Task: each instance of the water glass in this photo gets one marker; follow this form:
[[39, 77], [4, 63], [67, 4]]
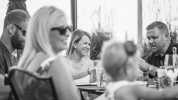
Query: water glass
[[101, 77]]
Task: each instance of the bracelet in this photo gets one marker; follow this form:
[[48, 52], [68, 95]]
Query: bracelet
[[88, 71], [150, 68]]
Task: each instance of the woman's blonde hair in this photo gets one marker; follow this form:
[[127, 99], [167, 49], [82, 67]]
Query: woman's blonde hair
[[38, 30], [75, 38]]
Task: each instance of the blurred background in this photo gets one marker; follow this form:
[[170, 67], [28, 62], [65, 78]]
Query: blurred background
[[104, 19]]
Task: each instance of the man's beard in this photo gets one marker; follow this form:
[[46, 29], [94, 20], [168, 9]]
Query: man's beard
[[16, 42]]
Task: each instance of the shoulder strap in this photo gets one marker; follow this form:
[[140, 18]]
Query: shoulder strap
[[48, 60], [46, 64], [87, 63], [69, 63]]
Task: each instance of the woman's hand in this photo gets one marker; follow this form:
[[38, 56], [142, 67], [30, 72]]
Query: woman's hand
[[91, 70]]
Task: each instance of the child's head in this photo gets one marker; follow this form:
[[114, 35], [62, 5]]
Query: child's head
[[120, 60]]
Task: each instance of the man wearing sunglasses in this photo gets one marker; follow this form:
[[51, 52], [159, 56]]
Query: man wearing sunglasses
[[12, 38], [161, 44]]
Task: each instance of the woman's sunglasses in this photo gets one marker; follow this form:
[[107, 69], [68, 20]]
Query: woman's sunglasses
[[62, 30], [22, 30]]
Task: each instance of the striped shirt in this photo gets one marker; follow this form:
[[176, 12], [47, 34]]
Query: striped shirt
[[6, 59]]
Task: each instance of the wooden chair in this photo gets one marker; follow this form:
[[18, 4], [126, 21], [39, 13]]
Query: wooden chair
[[29, 86]]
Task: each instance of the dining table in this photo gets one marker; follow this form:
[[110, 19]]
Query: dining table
[[94, 89], [90, 88]]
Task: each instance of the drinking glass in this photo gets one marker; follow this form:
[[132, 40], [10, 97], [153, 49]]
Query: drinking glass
[[101, 77]]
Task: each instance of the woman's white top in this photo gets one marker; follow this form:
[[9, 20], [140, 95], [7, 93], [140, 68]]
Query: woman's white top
[[112, 87], [84, 80]]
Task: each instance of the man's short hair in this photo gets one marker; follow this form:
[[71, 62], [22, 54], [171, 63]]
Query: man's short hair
[[157, 24], [16, 16]]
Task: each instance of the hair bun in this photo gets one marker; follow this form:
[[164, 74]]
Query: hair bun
[[130, 48]]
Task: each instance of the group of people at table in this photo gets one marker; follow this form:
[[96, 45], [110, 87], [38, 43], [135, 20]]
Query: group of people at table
[[46, 34]]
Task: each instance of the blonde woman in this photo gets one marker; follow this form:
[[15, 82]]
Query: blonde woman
[[82, 68], [47, 35]]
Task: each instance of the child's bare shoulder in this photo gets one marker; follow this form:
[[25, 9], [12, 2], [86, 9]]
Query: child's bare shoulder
[[125, 93]]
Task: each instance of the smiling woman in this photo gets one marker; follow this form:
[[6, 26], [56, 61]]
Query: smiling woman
[[81, 66], [78, 59]]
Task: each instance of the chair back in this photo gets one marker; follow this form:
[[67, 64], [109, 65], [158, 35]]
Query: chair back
[[29, 86]]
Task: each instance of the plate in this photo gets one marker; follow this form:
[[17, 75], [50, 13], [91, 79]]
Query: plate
[[145, 83], [89, 84]]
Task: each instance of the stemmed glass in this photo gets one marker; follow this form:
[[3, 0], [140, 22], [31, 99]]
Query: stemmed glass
[[170, 68], [101, 76]]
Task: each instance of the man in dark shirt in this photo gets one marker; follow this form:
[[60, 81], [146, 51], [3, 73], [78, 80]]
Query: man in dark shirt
[[13, 37], [160, 42]]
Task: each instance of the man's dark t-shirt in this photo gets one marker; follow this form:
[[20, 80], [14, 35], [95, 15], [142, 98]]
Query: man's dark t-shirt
[[7, 60], [157, 60]]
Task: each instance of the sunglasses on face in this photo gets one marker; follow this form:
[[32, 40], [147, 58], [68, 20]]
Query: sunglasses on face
[[62, 30], [22, 30]]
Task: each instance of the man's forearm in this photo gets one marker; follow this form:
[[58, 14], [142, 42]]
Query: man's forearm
[[146, 67], [153, 71], [4, 92], [4, 89]]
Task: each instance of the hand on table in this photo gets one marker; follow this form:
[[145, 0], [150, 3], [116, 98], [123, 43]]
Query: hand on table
[[144, 66], [92, 69]]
